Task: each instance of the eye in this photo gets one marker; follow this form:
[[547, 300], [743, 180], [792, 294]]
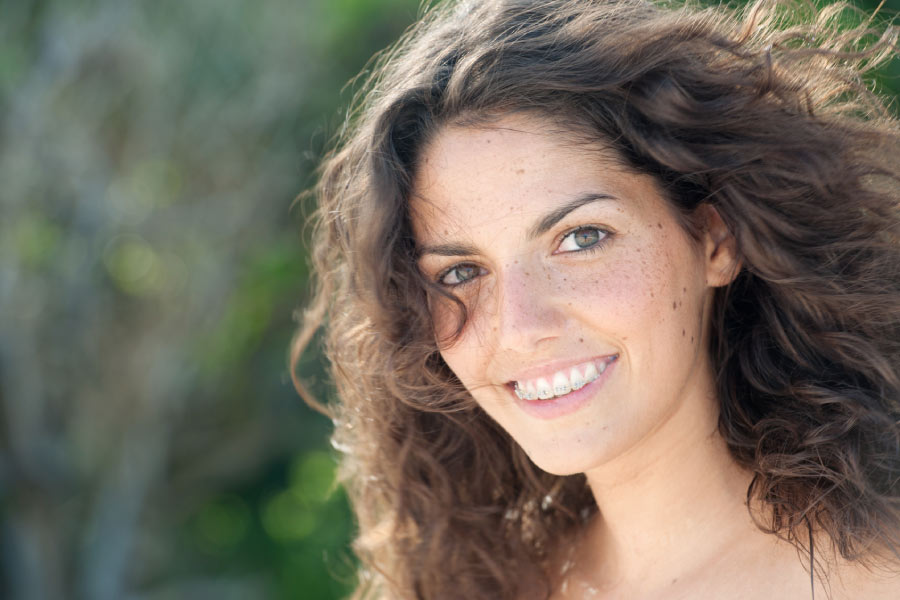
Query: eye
[[459, 274], [583, 238]]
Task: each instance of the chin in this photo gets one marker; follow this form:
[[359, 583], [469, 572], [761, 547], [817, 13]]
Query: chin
[[560, 469], [562, 463]]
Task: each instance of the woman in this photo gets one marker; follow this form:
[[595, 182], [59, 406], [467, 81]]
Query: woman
[[612, 298]]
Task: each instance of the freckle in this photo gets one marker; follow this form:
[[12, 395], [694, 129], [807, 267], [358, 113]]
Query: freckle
[[682, 333], [674, 580], [520, 171], [659, 225], [580, 340], [683, 289], [692, 339], [679, 303], [651, 295], [674, 306]]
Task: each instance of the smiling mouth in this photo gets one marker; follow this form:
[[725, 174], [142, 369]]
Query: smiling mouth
[[562, 382]]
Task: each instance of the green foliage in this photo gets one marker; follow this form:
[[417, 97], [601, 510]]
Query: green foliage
[[150, 264]]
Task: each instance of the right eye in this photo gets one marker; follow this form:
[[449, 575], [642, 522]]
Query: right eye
[[459, 274]]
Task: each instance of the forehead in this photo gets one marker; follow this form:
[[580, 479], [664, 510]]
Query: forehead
[[515, 167], [514, 149]]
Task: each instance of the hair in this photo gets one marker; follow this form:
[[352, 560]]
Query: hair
[[763, 113]]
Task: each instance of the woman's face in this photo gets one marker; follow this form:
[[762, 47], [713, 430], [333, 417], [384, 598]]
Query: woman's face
[[586, 300]]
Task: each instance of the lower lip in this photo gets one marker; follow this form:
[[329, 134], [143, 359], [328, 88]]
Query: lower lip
[[560, 406]]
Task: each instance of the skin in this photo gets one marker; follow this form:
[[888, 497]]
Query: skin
[[673, 519]]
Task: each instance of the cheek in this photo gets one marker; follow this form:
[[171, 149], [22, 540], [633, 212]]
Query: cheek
[[457, 338], [666, 291], [642, 293], [448, 319], [468, 366], [462, 323], [629, 285]]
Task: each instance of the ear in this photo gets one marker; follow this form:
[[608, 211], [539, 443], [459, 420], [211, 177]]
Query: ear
[[719, 249]]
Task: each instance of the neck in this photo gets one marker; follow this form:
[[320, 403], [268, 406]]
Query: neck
[[671, 506]]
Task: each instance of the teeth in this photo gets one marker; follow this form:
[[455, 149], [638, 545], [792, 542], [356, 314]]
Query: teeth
[[527, 392], [544, 391], [522, 392], [561, 383], [576, 379]]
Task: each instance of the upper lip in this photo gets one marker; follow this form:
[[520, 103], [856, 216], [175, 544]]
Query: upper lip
[[547, 369]]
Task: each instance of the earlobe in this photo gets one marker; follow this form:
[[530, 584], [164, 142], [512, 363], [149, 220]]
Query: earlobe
[[720, 250]]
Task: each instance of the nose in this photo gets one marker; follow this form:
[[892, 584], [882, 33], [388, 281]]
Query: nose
[[527, 312]]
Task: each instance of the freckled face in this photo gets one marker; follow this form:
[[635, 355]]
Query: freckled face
[[563, 259]]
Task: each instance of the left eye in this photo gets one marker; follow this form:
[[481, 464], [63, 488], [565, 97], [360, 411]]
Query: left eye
[[582, 238]]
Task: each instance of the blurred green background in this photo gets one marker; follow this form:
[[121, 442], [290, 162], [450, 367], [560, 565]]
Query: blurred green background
[[151, 444]]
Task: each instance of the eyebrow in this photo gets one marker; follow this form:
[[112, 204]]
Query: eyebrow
[[449, 250], [539, 228], [545, 224]]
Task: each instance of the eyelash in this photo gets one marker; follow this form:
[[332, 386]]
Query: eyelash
[[606, 235]]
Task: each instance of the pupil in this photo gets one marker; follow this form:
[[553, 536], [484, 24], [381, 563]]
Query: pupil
[[464, 273], [586, 237]]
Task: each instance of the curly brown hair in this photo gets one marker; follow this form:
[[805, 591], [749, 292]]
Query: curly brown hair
[[762, 112]]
